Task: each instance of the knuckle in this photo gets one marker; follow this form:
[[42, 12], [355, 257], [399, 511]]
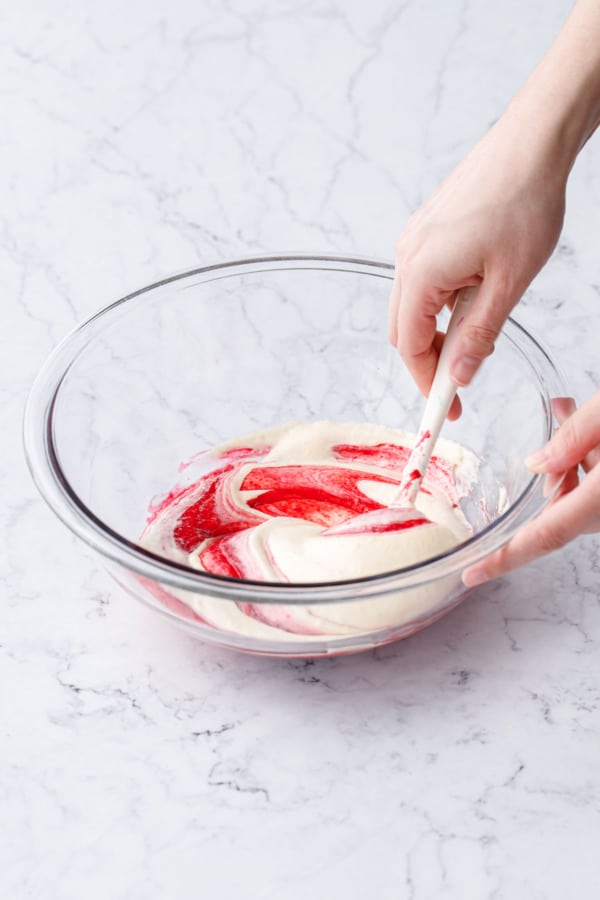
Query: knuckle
[[406, 252], [407, 266], [478, 340], [413, 250]]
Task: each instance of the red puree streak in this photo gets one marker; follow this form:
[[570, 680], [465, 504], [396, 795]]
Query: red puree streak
[[211, 516], [323, 495], [220, 557], [389, 456]]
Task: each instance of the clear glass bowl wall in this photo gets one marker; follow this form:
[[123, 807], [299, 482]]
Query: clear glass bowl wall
[[216, 353]]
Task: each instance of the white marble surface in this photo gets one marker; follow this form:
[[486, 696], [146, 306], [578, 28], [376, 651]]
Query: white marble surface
[[143, 138]]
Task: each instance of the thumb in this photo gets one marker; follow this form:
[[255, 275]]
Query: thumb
[[572, 442], [478, 332]]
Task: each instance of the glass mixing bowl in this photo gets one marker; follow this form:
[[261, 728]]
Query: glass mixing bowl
[[221, 351]]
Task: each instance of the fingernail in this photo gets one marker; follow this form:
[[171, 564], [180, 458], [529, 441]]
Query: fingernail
[[464, 369], [474, 577], [537, 461]]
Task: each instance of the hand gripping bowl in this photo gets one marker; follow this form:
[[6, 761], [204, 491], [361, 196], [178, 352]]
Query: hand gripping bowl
[[218, 352]]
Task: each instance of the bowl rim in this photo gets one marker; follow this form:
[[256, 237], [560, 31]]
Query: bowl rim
[[54, 486]]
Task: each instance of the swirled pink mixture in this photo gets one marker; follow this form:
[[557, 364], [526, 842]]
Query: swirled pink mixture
[[263, 509]]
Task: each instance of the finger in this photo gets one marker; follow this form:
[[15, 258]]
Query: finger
[[419, 306], [432, 360], [558, 483], [576, 513], [455, 410], [591, 460], [574, 440], [477, 336], [424, 377], [563, 407], [393, 307]]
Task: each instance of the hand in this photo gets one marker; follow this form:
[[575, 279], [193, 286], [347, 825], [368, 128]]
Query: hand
[[494, 222], [574, 510]]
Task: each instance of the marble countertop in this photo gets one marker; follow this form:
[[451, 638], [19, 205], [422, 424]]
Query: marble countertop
[[140, 139]]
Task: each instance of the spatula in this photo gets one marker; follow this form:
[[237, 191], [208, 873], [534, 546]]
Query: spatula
[[401, 512]]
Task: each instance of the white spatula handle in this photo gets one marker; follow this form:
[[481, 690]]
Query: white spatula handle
[[439, 401]]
